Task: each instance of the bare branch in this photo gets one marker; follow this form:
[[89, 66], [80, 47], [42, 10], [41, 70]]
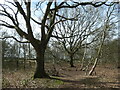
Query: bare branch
[[57, 37], [20, 9], [15, 39], [4, 23], [74, 18], [76, 4], [39, 23], [44, 20], [8, 26]]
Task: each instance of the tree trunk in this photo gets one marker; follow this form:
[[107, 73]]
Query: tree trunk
[[40, 71], [24, 56], [30, 65], [93, 67], [17, 64], [71, 61], [82, 64], [98, 53], [3, 51]]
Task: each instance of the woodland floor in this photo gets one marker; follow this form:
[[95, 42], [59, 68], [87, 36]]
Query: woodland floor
[[105, 76]]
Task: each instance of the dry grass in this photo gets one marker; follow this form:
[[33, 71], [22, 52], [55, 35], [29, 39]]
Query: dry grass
[[105, 77]]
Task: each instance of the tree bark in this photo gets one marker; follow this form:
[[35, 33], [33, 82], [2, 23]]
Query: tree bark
[[17, 64], [3, 51], [71, 61], [40, 70], [29, 50]]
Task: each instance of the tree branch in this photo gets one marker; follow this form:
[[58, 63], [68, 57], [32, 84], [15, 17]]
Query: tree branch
[[20, 9], [15, 39], [76, 4], [67, 18], [57, 37], [6, 24], [39, 23], [43, 36], [26, 16]]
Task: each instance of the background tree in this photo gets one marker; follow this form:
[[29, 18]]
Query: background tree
[[75, 34], [109, 23], [109, 52]]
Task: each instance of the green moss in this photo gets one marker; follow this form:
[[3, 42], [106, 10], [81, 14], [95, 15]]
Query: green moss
[[58, 82], [54, 83]]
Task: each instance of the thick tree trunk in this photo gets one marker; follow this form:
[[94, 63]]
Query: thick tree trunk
[[40, 71], [71, 61]]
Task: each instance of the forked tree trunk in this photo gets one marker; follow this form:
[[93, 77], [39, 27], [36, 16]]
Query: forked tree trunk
[[40, 70], [40, 46]]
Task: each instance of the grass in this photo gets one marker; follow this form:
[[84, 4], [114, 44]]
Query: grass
[[21, 79], [30, 83]]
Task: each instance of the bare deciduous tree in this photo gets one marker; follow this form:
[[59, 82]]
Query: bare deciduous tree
[[73, 34]]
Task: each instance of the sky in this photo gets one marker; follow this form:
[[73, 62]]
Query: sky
[[36, 27], [2, 1]]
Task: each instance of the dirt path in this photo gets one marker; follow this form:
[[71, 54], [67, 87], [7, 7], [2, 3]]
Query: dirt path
[[104, 78], [79, 81]]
